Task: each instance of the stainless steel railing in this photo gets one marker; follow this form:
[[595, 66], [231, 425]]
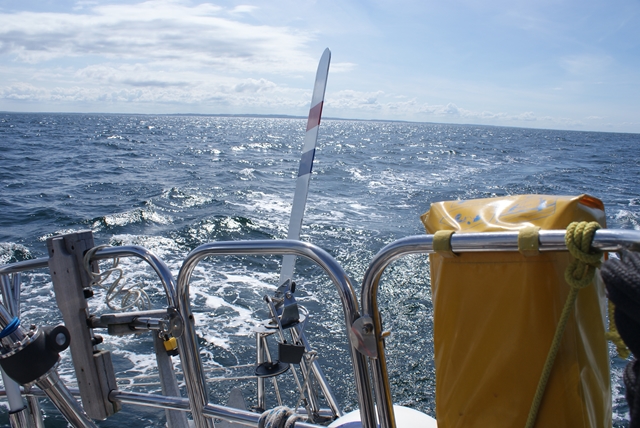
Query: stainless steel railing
[[177, 295], [161, 269], [550, 240], [192, 365], [164, 274], [159, 266]]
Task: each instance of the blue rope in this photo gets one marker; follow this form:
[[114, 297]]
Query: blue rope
[[10, 328]]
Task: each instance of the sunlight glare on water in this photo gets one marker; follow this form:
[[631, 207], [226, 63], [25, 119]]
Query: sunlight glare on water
[[171, 183]]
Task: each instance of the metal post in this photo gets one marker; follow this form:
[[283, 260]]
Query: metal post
[[64, 401], [175, 419], [93, 368], [18, 412], [262, 404]]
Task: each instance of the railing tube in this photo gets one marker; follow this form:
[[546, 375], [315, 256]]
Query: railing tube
[[25, 265], [550, 240], [194, 375]]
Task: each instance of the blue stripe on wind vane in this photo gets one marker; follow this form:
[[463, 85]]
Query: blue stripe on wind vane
[[306, 162]]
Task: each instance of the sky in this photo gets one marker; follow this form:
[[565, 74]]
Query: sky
[[552, 64]]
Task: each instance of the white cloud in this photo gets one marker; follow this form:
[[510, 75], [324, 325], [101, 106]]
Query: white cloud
[[154, 53], [130, 85], [378, 105], [244, 8], [259, 57], [253, 85], [356, 100], [156, 31], [131, 75], [451, 109], [22, 91], [528, 116]]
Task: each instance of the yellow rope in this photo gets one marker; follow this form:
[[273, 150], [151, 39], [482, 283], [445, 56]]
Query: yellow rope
[[614, 336], [578, 275]]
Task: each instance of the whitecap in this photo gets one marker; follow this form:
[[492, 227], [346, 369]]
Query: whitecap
[[11, 252], [131, 217], [626, 217], [247, 174], [187, 198]]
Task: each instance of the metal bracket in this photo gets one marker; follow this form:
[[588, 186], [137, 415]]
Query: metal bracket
[[93, 367], [363, 338], [167, 322]]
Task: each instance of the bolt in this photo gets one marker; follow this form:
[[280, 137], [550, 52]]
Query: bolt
[[367, 328], [61, 339]]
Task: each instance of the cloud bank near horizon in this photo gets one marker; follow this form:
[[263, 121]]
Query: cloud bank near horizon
[[172, 56]]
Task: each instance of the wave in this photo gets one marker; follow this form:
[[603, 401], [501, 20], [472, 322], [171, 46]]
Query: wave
[[187, 198], [11, 252], [220, 228], [627, 219], [136, 216]]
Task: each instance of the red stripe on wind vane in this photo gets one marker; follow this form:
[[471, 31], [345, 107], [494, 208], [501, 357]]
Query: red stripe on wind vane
[[314, 116]]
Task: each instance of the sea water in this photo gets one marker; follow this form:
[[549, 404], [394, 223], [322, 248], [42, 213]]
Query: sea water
[[171, 183]]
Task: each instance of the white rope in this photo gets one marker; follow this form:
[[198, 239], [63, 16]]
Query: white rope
[[291, 421], [132, 297], [275, 418]]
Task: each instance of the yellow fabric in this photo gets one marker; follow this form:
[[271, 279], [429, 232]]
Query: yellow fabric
[[442, 243], [495, 315]]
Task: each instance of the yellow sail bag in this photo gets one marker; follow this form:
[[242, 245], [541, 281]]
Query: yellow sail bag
[[495, 316]]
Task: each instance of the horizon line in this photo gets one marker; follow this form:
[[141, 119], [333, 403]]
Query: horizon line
[[288, 116]]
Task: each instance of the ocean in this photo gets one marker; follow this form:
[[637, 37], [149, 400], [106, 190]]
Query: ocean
[[171, 183]]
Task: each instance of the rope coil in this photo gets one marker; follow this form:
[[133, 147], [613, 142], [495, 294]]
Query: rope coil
[[581, 271], [293, 419], [579, 274], [275, 418], [578, 238], [132, 297]]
